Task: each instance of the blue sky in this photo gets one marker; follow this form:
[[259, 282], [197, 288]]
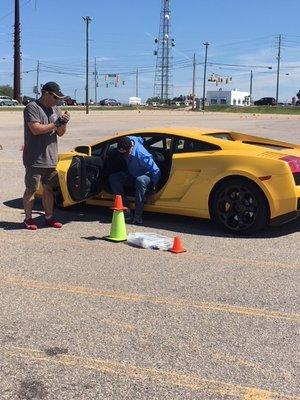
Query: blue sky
[[122, 37]]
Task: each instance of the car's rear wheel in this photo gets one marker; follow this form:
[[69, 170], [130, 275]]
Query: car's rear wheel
[[240, 206]]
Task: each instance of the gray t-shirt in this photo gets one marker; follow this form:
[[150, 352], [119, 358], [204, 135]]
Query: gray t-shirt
[[40, 150]]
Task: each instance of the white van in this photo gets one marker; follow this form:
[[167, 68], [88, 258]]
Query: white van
[[135, 101]]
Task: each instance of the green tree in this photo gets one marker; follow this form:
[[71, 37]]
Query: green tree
[[6, 90], [180, 98], [153, 99], [298, 95]]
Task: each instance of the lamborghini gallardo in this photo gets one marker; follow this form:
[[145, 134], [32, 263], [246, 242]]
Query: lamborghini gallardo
[[243, 182]]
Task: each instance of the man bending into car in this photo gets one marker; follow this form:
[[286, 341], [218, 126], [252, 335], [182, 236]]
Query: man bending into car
[[43, 122], [142, 172]]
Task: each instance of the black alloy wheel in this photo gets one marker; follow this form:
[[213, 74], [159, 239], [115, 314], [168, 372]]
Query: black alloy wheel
[[240, 206]]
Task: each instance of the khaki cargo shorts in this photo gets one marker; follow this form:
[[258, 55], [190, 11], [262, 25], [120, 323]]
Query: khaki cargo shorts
[[35, 175]]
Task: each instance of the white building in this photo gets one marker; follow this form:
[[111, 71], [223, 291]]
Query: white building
[[229, 97]]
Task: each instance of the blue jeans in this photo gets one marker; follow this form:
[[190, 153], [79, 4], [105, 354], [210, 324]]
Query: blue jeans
[[117, 183]]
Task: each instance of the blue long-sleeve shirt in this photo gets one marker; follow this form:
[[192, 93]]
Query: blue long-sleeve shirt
[[140, 161]]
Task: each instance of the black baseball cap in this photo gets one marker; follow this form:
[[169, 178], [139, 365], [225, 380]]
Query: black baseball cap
[[54, 88], [125, 144]]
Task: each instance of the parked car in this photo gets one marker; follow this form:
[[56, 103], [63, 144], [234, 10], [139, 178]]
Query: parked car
[[69, 101], [26, 100], [109, 102], [265, 101], [8, 101], [242, 182], [61, 102]]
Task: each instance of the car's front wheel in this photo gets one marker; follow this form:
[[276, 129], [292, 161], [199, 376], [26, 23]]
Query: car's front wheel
[[240, 206]]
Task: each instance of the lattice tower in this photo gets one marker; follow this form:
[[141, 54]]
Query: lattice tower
[[163, 85]]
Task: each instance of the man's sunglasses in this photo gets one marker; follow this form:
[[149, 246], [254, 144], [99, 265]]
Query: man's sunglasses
[[53, 95]]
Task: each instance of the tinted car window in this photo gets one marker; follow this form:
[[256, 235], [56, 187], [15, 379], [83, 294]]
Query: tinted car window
[[157, 142], [184, 145]]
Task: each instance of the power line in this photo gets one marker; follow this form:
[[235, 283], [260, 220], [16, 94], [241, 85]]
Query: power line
[[12, 11]]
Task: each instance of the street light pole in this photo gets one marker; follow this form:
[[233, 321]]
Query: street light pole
[[251, 83], [137, 83], [17, 53], [37, 80], [206, 44], [87, 20], [96, 81], [278, 67], [194, 80], [251, 78]]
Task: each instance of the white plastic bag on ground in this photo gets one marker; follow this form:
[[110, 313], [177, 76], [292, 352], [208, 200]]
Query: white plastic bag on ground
[[150, 240]]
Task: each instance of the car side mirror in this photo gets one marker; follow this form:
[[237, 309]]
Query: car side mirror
[[84, 150]]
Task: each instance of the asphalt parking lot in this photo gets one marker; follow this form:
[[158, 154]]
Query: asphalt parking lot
[[84, 318]]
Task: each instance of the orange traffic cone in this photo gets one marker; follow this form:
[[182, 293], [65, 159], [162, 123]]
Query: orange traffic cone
[[118, 206], [177, 246]]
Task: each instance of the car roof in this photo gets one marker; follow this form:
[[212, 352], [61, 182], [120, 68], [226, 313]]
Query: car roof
[[205, 134], [192, 132]]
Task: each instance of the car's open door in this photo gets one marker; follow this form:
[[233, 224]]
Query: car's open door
[[80, 177]]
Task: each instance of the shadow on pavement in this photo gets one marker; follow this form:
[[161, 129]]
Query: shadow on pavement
[[173, 223]]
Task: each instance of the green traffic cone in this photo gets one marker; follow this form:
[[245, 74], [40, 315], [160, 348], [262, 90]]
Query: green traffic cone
[[118, 228]]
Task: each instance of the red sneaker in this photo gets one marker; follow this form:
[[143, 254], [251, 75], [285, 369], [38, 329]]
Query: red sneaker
[[29, 224], [52, 223]]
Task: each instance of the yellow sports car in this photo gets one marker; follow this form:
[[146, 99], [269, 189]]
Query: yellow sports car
[[241, 181]]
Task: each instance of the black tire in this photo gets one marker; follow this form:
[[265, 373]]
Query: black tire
[[240, 206]]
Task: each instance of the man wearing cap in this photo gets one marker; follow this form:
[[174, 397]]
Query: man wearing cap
[[141, 171], [43, 122]]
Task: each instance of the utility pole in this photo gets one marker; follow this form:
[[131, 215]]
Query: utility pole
[[37, 80], [137, 83], [278, 68], [194, 80], [87, 20], [251, 79], [96, 80], [206, 44], [17, 54], [75, 94]]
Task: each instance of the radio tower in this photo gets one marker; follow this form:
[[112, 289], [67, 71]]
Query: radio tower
[[163, 86]]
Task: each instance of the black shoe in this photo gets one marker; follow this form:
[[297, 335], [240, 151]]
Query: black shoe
[[127, 215], [138, 221]]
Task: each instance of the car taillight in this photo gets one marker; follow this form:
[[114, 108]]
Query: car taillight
[[294, 163]]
